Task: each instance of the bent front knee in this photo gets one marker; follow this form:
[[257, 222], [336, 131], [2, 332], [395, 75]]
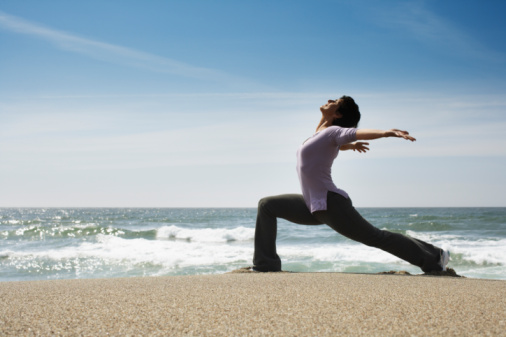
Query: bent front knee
[[263, 203], [267, 205]]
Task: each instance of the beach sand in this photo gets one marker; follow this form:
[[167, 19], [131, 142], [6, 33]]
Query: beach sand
[[256, 304]]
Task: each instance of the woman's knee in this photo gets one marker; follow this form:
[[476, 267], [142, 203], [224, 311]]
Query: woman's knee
[[277, 200], [281, 205], [264, 202]]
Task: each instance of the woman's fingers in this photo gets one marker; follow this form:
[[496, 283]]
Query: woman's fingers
[[402, 134], [361, 147]]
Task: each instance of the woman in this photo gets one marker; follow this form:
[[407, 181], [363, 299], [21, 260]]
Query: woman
[[322, 202]]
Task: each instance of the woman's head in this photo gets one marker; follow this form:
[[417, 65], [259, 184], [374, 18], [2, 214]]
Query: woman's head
[[350, 115]]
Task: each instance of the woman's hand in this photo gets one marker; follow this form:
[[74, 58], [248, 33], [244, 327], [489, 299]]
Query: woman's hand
[[357, 146], [360, 147], [399, 134]]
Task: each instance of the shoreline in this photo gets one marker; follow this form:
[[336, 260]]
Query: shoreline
[[274, 304]]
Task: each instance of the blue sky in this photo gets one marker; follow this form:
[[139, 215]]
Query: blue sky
[[204, 103]]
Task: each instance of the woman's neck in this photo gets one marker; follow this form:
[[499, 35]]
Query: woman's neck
[[324, 123]]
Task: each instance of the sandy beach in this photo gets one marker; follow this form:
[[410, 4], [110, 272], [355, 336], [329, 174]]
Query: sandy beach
[[255, 304]]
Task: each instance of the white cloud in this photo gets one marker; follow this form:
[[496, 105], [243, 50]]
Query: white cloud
[[255, 128], [106, 51], [116, 154]]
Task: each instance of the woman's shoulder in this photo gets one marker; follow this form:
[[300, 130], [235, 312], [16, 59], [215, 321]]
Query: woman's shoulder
[[341, 135], [335, 129], [330, 129]]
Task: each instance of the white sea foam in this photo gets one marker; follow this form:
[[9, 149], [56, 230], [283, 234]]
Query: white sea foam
[[127, 247], [481, 251], [169, 255], [212, 246], [432, 236], [206, 234], [337, 253], [110, 252]]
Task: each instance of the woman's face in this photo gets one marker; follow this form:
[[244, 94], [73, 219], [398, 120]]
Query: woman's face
[[330, 109]]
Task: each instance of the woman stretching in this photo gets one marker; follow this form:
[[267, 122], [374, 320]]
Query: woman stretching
[[322, 202]]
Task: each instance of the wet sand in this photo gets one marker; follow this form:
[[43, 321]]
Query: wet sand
[[256, 304]]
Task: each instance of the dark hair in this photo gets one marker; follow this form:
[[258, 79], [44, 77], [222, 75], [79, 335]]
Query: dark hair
[[351, 115]]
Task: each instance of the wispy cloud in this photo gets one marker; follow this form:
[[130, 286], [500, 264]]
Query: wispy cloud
[[120, 136], [414, 17], [106, 51]]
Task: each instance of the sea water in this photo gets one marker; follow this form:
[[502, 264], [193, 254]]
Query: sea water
[[53, 243]]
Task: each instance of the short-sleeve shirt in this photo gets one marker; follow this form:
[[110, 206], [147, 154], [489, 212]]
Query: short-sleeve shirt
[[314, 162]]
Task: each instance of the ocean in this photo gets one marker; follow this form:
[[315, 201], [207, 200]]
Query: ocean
[[69, 243]]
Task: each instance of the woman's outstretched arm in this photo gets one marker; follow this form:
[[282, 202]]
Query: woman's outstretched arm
[[370, 134]]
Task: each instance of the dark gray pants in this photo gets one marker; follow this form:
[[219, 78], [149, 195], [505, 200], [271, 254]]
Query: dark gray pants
[[342, 217]]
